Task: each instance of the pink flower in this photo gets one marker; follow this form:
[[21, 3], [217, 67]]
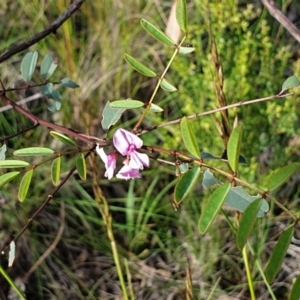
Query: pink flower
[[109, 161], [127, 143], [128, 173]]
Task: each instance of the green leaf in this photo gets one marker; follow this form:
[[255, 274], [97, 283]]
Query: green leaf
[[139, 66], [28, 65], [55, 170], [189, 138], [241, 159], [64, 139], [110, 116], [278, 254], [186, 50], [233, 149], [167, 86], [2, 152], [295, 292], [67, 82], [181, 169], [127, 104], [156, 33], [212, 207], [5, 178], [47, 90], [206, 155], [156, 108], [185, 184], [81, 166], [47, 67], [32, 151], [24, 185], [239, 200], [13, 164], [57, 101], [291, 82], [247, 223], [181, 15], [282, 175], [208, 179]]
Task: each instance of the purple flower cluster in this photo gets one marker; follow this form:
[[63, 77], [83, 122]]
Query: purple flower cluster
[[126, 144]]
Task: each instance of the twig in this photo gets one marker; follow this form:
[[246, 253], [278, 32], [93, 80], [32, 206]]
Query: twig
[[9, 137], [209, 112], [52, 28], [282, 19]]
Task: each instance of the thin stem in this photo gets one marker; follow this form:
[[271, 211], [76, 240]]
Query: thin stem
[[250, 282], [209, 112], [52, 28], [8, 137], [262, 274], [138, 124], [130, 287], [282, 19], [103, 207], [119, 268]]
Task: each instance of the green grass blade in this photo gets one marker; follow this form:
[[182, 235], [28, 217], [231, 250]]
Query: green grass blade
[[295, 292]]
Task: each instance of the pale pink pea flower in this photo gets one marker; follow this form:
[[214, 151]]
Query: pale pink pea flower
[[128, 173], [127, 143], [110, 161]]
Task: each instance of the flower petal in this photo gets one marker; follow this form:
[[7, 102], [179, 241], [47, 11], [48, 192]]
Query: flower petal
[[110, 166], [101, 153], [128, 173], [123, 139], [138, 160], [110, 161]]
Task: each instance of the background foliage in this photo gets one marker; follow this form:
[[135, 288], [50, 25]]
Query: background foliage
[[160, 246]]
